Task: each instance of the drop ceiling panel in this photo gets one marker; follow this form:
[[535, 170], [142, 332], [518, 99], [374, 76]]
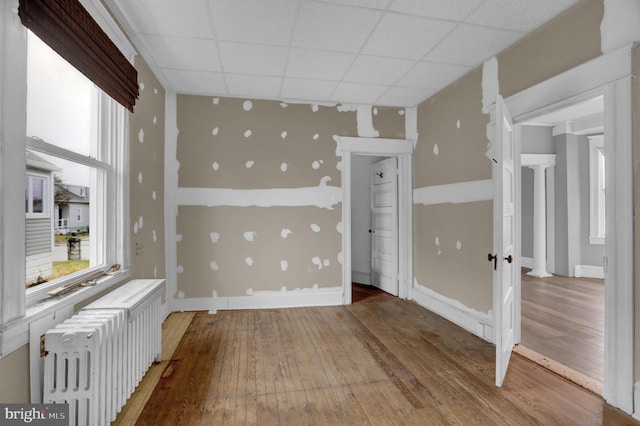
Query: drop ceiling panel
[[253, 86], [183, 53], [357, 93], [253, 58], [404, 96], [518, 15], [302, 89], [255, 21], [189, 18], [428, 75], [331, 27], [377, 70], [406, 36], [471, 45], [323, 65], [455, 10], [388, 52], [194, 82]]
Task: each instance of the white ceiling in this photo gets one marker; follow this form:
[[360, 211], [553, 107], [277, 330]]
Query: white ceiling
[[382, 52]]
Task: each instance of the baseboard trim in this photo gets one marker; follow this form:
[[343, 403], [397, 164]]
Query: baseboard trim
[[588, 271], [330, 296], [476, 322], [636, 401]]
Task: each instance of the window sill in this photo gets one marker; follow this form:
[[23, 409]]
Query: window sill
[[15, 334]]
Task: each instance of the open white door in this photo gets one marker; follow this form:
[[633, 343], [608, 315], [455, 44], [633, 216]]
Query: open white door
[[384, 224], [505, 163]]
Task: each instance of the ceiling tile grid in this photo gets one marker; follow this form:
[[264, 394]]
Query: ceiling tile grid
[[383, 52]]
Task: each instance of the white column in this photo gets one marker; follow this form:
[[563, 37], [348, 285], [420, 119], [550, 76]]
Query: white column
[[539, 222]]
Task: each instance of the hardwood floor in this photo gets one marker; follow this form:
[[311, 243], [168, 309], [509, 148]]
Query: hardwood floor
[[381, 360], [563, 319]]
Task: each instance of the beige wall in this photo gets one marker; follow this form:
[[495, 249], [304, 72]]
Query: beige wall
[[248, 252], [146, 140], [453, 120]]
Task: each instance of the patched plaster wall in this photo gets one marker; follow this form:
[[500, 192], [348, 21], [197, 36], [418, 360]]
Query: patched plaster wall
[[146, 167]]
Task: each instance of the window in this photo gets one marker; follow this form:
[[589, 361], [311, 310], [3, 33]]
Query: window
[[74, 126], [597, 189], [36, 201]]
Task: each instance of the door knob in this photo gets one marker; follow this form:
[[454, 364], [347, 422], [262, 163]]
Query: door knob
[[494, 258], [509, 259]]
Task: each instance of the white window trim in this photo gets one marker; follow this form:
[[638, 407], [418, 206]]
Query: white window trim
[[16, 312], [596, 195], [46, 197]]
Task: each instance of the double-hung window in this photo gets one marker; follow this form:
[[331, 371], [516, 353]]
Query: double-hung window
[[597, 188]]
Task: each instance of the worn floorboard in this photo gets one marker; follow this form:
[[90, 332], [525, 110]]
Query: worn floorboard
[[381, 360]]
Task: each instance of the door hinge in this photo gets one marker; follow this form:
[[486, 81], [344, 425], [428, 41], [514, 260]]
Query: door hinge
[[43, 349]]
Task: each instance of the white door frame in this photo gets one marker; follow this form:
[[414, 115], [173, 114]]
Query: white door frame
[[608, 75], [403, 150]]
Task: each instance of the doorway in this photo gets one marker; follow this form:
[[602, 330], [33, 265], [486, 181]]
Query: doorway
[[562, 241], [608, 75]]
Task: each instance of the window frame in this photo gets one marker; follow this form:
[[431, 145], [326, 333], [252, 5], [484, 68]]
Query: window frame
[[17, 311], [46, 198]]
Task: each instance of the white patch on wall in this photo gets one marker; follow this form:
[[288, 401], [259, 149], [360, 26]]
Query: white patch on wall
[[248, 260], [283, 167], [316, 164], [458, 245], [153, 195], [365, 122], [317, 261], [490, 83], [315, 137], [284, 104], [215, 237], [401, 112], [155, 91], [339, 165], [154, 236], [155, 119], [436, 150], [326, 262], [141, 85], [214, 265], [439, 252], [249, 164], [437, 241], [181, 295], [314, 108], [284, 265], [250, 236], [140, 222], [135, 228], [155, 272], [215, 166], [247, 105], [141, 135], [339, 227], [178, 237], [375, 111], [215, 131], [340, 258], [247, 133], [180, 269], [458, 124], [216, 101], [315, 227], [283, 135], [140, 177], [285, 232], [249, 292]]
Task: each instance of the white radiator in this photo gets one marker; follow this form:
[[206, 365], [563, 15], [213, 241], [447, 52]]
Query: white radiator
[[96, 358]]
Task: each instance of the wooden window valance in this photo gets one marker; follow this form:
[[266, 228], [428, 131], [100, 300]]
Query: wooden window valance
[[67, 27]]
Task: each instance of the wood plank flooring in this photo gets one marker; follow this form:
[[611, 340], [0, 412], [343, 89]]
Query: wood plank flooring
[[563, 319], [381, 360]]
